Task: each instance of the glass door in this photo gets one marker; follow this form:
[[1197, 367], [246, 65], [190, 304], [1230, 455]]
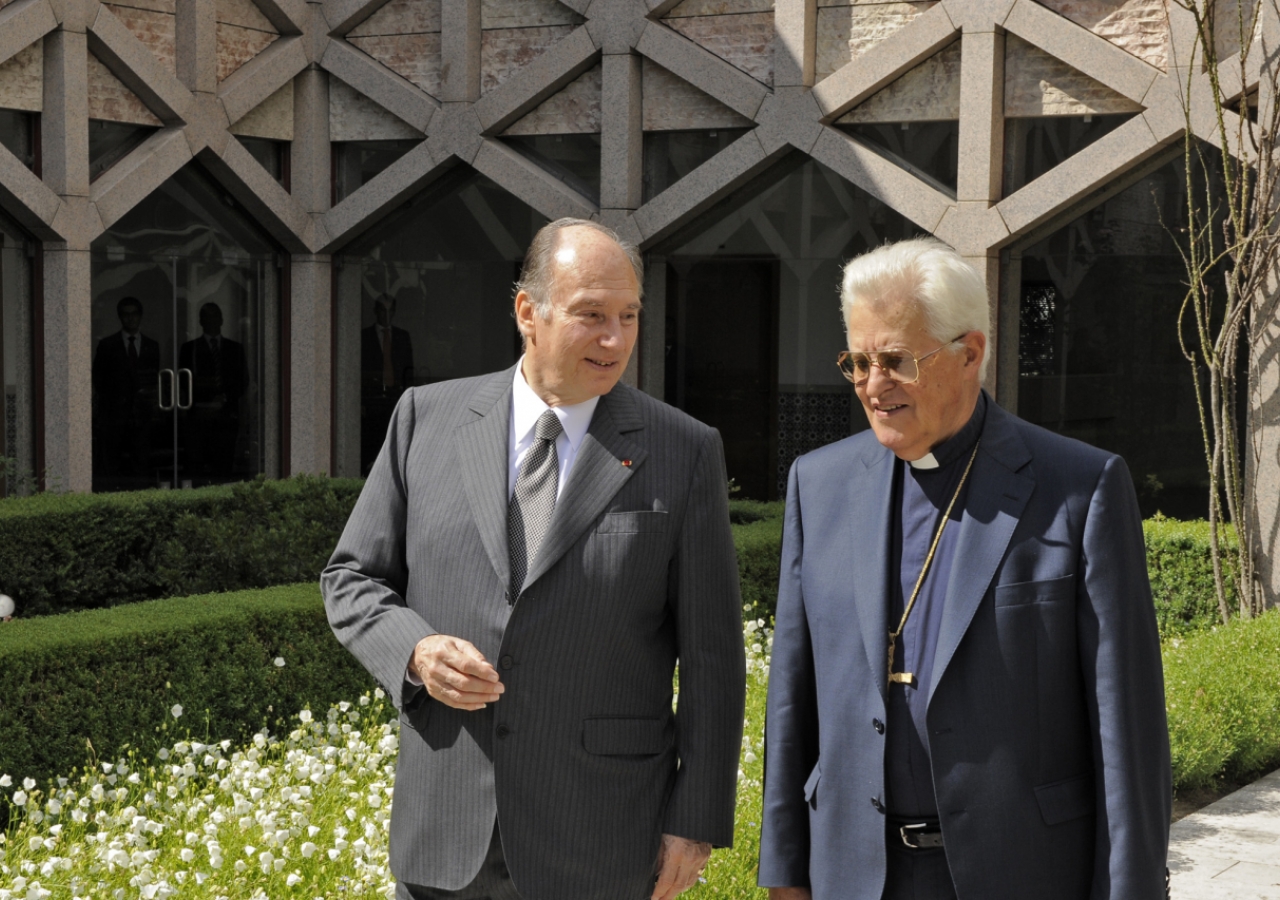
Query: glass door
[[185, 384]]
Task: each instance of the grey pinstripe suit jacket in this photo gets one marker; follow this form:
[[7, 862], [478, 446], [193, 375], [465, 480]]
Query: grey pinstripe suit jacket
[[582, 760]]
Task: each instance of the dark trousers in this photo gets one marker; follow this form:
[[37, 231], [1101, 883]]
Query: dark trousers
[[916, 874], [492, 882]]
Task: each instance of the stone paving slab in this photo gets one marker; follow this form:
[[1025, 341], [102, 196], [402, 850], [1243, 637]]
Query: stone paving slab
[[1230, 850]]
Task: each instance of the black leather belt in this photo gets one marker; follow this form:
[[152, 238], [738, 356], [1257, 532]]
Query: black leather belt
[[918, 834]]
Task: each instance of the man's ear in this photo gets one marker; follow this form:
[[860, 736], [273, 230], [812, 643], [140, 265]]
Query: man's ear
[[524, 311], [975, 348]]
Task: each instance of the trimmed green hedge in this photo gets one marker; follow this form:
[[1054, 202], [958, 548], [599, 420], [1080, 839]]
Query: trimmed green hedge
[[1222, 691], [64, 552], [1181, 569], [104, 679]]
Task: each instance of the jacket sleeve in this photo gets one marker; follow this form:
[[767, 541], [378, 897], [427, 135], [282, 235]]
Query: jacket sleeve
[[1124, 691], [791, 726], [704, 597], [364, 583]]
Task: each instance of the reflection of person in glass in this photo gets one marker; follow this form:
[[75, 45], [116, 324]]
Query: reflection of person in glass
[[386, 365], [124, 377], [218, 382]]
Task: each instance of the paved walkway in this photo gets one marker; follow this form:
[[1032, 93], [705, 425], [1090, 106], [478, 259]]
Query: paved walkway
[[1230, 850]]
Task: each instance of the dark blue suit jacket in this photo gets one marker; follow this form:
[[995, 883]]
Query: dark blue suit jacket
[[1046, 719]]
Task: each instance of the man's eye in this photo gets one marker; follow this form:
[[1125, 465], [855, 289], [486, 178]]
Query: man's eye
[[890, 361]]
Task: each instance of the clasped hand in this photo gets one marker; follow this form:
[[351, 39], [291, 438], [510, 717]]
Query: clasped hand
[[454, 672]]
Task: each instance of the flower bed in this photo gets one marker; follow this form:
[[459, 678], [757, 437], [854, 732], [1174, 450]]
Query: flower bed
[[301, 816]]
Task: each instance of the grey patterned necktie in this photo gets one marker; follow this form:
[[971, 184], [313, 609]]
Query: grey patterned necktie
[[534, 499]]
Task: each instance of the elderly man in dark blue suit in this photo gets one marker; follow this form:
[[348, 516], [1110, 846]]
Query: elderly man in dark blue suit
[[966, 697]]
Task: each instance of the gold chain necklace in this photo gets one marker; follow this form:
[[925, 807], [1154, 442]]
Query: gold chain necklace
[[907, 677]]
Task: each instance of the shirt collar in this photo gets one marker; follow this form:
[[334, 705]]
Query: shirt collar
[[527, 406], [959, 443]]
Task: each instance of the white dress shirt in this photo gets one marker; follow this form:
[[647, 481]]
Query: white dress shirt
[[526, 407]]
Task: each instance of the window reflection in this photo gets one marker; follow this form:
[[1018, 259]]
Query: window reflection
[[17, 134], [425, 297], [1033, 146], [18, 473], [110, 142], [1098, 342], [671, 155], [356, 163], [186, 307]]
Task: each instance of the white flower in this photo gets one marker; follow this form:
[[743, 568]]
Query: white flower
[[20, 798], [187, 854], [177, 710], [308, 850], [5, 781], [29, 784], [54, 806], [293, 879], [305, 715]]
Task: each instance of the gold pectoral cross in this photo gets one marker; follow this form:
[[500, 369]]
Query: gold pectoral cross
[[898, 677]]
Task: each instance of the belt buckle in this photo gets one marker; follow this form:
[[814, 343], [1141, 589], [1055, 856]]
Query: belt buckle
[[906, 831]]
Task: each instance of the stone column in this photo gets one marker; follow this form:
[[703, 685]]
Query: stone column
[[68, 385], [1262, 453], [311, 294], [653, 328], [978, 185]]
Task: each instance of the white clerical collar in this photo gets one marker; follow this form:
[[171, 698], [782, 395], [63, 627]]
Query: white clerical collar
[[928, 461], [526, 406]]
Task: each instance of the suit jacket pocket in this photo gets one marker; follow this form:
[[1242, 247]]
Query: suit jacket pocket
[[626, 737], [1025, 592], [637, 522], [1070, 798], [811, 785]]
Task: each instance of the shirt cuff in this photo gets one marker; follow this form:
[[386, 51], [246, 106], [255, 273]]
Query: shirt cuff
[[412, 677]]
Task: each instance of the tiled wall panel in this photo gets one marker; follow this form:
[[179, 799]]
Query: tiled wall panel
[[573, 110], [505, 51], [415, 57], [22, 80], [109, 99], [152, 22], [848, 29], [927, 93], [672, 104], [354, 117], [1139, 26], [272, 118], [1037, 84], [742, 39]]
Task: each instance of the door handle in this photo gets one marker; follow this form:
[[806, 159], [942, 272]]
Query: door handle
[[160, 377], [190, 389]]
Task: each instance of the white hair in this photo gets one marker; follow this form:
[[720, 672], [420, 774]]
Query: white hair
[[927, 274]]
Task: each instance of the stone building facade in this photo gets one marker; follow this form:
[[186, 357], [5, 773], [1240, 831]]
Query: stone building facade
[[314, 205]]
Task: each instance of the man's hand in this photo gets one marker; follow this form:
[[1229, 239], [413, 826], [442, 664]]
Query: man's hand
[[454, 672], [680, 862], [790, 893]]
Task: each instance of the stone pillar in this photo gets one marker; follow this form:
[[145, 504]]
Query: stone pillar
[[68, 384], [460, 51], [978, 185], [196, 45], [621, 137], [795, 52], [311, 294]]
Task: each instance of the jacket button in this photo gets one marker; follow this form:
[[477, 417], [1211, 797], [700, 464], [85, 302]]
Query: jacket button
[[878, 726], [875, 801], [502, 731], [506, 662]]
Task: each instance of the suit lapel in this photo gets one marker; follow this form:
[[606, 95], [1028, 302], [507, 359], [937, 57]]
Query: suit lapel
[[597, 475], [481, 442], [870, 499], [994, 501]]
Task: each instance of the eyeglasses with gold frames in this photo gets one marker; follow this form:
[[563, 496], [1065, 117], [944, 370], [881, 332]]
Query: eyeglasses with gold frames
[[902, 366]]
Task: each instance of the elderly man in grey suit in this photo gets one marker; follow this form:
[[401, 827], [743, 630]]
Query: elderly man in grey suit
[[965, 696], [532, 553]]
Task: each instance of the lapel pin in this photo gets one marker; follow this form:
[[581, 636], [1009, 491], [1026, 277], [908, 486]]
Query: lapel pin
[[626, 463]]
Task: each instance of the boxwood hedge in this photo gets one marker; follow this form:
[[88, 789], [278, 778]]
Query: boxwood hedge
[[92, 682]]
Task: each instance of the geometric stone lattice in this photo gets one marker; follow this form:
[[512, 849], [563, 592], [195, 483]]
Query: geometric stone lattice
[[807, 421], [738, 31], [243, 33]]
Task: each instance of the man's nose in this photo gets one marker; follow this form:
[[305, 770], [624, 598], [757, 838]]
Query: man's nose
[[611, 333], [878, 380]]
